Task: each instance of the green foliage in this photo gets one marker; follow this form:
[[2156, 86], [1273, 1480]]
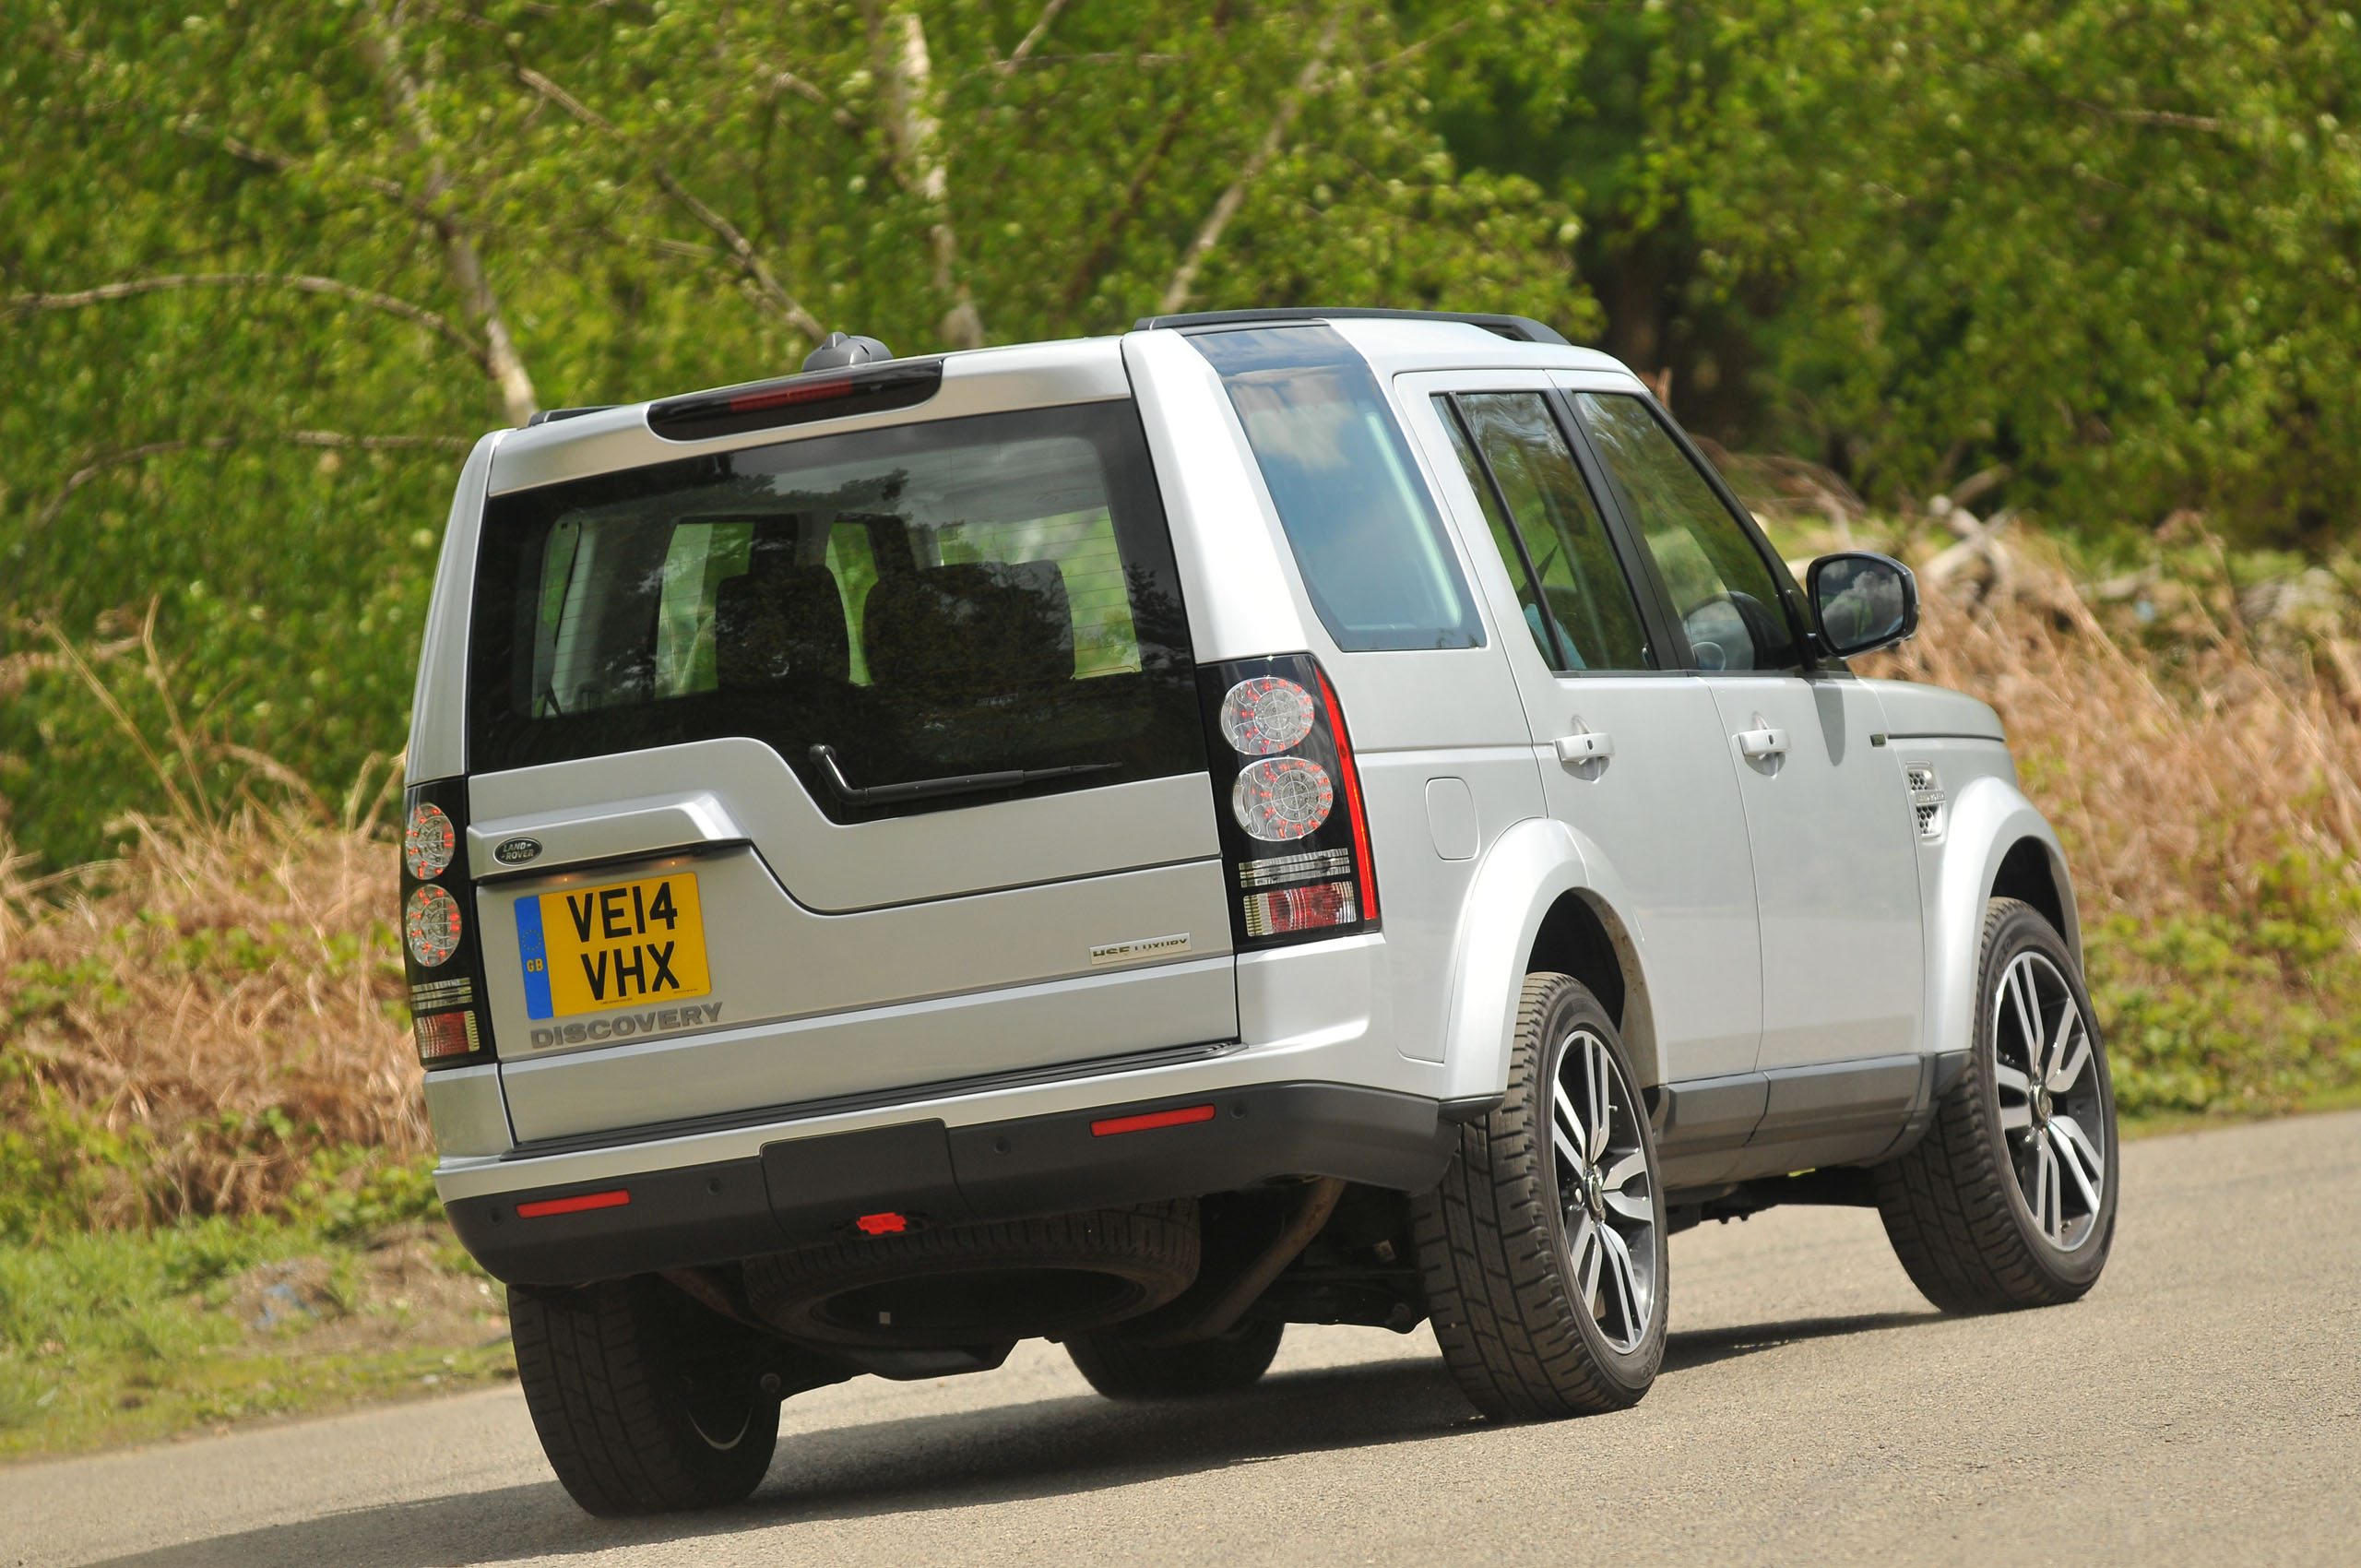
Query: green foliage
[[56, 1165], [2252, 1010], [352, 1193], [391, 228], [117, 1336], [2107, 243]]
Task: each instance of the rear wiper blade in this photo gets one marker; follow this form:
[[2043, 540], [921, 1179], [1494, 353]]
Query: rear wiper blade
[[957, 784]]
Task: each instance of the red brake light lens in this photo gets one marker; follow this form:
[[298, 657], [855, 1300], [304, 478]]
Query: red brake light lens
[[797, 399], [1352, 797]]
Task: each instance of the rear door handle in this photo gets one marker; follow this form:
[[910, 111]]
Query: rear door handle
[[1591, 745], [1759, 745]]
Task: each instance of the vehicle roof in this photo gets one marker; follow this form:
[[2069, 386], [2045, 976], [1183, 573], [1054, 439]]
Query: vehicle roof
[[1071, 370]]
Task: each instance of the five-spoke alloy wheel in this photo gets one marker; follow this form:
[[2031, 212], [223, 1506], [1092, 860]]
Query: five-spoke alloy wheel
[[2009, 1200], [1542, 1250]]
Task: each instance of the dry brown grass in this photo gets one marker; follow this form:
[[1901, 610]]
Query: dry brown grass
[[185, 1030], [2203, 764], [2176, 785], [221, 1004]]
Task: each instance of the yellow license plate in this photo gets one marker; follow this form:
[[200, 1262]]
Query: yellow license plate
[[624, 945]]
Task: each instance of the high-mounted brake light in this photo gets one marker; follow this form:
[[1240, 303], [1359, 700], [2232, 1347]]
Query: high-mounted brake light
[[788, 396], [1295, 833], [798, 400]]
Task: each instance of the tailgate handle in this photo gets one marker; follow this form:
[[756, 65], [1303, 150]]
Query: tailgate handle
[[956, 784], [622, 830]]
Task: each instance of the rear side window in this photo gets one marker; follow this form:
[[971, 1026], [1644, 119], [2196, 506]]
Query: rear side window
[[1364, 530], [895, 611]]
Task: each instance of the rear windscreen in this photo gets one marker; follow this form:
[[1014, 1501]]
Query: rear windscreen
[[903, 615]]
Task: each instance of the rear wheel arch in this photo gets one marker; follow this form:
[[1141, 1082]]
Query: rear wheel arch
[[1583, 936], [1544, 899]]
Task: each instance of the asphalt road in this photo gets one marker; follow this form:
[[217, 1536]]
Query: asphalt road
[[2202, 1405]]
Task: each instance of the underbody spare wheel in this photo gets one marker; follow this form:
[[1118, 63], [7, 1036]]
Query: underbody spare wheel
[[959, 1285]]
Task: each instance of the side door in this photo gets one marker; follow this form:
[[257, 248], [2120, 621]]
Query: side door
[[1642, 778], [1834, 844]]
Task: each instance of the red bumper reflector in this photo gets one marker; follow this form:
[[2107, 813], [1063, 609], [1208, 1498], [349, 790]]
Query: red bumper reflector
[[1182, 1117], [616, 1199], [882, 1224]]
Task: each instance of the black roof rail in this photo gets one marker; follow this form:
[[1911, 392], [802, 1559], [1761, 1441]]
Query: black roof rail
[[1515, 329]]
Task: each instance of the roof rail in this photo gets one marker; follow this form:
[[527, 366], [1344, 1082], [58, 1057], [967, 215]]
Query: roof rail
[[1515, 329]]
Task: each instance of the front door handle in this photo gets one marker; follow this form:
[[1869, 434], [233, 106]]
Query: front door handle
[[1591, 745], [1759, 745]]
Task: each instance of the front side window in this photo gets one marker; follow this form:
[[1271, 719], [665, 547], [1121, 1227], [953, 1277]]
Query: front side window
[[1357, 513], [927, 602], [1722, 589], [1591, 608]]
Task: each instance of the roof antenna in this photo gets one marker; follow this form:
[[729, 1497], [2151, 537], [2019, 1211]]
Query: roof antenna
[[842, 349]]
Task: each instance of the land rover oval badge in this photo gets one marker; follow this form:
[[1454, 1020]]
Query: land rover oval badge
[[517, 852]]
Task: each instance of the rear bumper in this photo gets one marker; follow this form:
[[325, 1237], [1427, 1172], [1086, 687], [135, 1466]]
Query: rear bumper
[[813, 1189]]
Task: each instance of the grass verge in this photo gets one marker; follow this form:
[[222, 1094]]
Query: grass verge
[[112, 1337]]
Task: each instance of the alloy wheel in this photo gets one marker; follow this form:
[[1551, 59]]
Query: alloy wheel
[[2052, 1114], [1604, 1190]]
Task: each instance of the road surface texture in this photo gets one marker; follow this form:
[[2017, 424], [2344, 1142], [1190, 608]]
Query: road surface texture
[[2202, 1405]]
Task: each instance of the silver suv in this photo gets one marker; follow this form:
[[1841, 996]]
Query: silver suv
[[1327, 816]]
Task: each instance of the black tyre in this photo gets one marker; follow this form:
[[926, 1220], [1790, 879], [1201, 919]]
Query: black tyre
[[2009, 1200], [640, 1403], [1542, 1250], [1123, 1369]]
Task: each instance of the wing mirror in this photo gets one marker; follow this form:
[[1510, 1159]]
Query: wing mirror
[[1862, 601]]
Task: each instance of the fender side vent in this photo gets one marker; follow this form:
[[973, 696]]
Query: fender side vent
[[1927, 800]]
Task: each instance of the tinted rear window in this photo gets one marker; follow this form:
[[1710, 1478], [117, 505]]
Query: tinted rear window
[[1364, 530], [929, 601]]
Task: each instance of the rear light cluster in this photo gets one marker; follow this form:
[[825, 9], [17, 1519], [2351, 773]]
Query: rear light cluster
[[441, 955], [798, 400], [1295, 834]]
